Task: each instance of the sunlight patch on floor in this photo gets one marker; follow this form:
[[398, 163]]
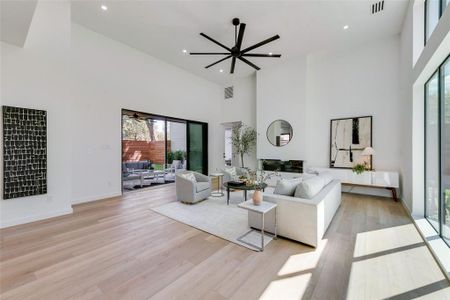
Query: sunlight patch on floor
[[303, 261], [393, 274], [385, 239], [287, 288]]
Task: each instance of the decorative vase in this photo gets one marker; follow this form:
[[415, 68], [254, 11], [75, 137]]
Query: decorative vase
[[257, 197]]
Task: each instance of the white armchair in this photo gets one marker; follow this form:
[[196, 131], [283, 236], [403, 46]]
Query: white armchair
[[190, 191]]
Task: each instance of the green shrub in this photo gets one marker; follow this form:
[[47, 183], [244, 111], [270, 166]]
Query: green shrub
[[179, 155], [170, 157]]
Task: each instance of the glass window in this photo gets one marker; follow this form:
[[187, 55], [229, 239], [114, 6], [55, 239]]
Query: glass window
[[445, 71], [432, 165], [432, 14]]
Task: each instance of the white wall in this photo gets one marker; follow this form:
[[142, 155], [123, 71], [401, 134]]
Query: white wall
[[362, 81], [241, 108], [36, 77], [108, 76], [83, 80], [177, 136], [281, 94], [408, 44], [310, 91]]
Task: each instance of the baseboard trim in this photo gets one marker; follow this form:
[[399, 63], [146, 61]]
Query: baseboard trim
[[35, 218], [94, 198]]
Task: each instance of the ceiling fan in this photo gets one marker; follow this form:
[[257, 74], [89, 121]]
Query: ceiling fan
[[236, 52]]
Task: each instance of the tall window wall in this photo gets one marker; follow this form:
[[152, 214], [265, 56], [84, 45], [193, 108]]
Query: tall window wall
[[437, 150], [433, 11]]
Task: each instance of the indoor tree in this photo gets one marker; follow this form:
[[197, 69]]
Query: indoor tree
[[243, 139]]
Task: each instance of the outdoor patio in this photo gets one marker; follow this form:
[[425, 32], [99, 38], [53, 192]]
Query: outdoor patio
[[151, 153]]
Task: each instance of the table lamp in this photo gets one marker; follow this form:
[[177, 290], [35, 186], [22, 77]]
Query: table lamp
[[368, 151]]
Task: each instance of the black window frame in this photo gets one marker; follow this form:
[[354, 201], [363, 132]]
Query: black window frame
[[441, 117], [442, 6]]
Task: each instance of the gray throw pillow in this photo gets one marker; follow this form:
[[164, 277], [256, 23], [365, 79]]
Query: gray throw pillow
[[286, 187], [310, 187]]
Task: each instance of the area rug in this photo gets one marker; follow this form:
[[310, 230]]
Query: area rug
[[214, 216]]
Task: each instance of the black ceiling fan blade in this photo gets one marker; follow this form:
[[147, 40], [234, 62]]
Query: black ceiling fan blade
[[220, 60], [261, 55], [208, 53], [249, 63], [275, 37], [215, 42], [240, 36], [233, 64]]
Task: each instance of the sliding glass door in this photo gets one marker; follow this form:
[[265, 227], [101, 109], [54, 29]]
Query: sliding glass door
[[197, 147], [437, 150], [432, 166]]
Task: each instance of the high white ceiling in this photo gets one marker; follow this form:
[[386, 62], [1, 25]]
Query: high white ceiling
[[164, 28], [15, 20]]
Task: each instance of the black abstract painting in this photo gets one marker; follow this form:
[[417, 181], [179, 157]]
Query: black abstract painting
[[348, 138], [24, 152]]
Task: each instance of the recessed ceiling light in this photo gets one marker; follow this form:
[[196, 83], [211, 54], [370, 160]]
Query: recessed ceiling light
[[270, 53], [221, 70], [104, 7], [184, 51], [345, 27]]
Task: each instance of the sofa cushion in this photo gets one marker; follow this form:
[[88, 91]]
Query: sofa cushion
[[189, 176], [310, 187], [286, 186], [201, 186], [327, 177]]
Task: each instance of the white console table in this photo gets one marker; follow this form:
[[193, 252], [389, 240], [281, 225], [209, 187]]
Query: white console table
[[373, 179]]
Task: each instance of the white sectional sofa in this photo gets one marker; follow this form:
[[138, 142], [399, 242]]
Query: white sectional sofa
[[303, 220]]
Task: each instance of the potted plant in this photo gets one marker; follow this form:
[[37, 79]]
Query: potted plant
[[259, 182], [243, 139], [359, 168]]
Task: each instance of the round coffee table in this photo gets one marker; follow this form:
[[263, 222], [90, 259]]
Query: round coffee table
[[242, 187]]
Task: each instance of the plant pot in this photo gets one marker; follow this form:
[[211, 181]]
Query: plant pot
[[257, 197]]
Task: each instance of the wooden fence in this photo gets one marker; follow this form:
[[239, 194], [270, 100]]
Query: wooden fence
[[142, 150]]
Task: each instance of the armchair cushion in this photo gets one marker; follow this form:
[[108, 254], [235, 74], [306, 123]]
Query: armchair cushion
[[232, 172], [201, 186], [189, 176]]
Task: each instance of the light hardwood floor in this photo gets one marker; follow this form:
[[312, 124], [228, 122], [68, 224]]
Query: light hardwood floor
[[119, 249]]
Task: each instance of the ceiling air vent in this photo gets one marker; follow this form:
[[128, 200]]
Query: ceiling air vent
[[377, 7], [229, 92]]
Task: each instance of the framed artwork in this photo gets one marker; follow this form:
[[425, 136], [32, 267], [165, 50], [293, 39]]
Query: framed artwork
[[24, 152], [348, 138]]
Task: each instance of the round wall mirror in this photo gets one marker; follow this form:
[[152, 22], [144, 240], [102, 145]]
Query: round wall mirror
[[279, 133]]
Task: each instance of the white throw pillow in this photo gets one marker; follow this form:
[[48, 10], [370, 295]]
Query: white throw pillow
[[327, 177], [189, 176], [232, 171], [310, 187], [286, 186]]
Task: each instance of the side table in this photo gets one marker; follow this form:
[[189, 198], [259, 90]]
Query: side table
[[262, 209], [219, 191]]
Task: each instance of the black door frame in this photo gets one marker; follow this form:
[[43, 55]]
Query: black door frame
[[167, 119]]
